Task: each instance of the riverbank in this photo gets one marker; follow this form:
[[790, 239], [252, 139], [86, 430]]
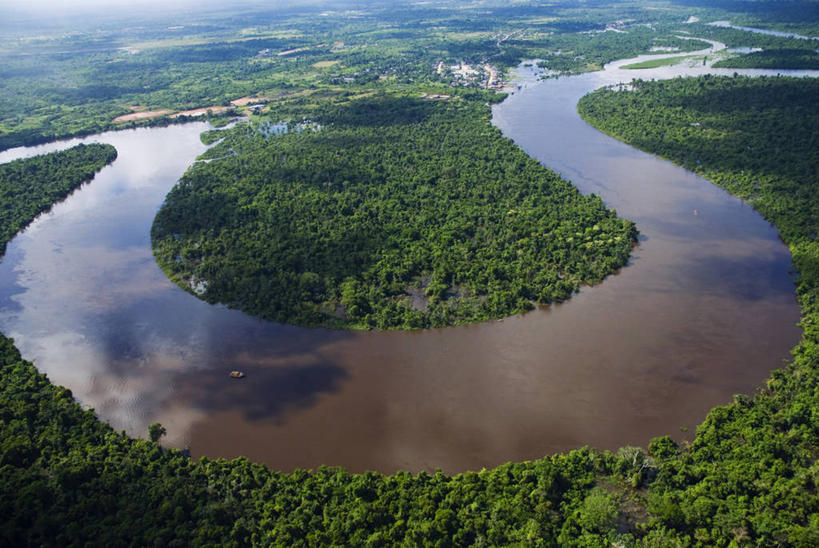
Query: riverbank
[[744, 157]]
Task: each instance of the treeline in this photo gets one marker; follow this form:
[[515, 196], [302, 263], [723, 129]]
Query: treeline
[[807, 59], [737, 38], [30, 186], [394, 212], [574, 53], [768, 13], [750, 477]]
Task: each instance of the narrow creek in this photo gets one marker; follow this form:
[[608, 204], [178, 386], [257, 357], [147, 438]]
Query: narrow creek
[[704, 310]]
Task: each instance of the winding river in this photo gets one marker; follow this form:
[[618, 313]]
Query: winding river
[[728, 25], [705, 309]]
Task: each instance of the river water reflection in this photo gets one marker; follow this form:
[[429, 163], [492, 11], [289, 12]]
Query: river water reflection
[[704, 310]]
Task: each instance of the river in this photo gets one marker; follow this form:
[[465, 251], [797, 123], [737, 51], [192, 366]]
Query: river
[[728, 25], [705, 309]]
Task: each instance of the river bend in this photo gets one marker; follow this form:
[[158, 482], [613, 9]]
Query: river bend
[[705, 309]]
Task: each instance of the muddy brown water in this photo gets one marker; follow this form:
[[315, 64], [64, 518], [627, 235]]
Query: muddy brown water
[[705, 309]]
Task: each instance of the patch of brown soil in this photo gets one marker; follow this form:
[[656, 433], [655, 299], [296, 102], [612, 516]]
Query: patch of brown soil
[[200, 111], [247, 100], [141, 115]]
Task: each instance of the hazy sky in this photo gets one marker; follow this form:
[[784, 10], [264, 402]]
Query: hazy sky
[[78, 5], [51, 8], [49, 12], [65, 5]]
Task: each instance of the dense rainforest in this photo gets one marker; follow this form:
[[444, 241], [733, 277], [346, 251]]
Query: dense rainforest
[[29, 187], [80, 79], [774, 59], [389, 212]]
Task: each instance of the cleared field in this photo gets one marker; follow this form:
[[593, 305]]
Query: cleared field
[[141, 115], [326, 64]]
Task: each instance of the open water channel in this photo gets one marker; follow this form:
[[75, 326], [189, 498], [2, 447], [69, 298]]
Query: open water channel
[[705, 309]]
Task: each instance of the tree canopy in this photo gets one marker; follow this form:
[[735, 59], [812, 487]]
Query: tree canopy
[[387, 211]]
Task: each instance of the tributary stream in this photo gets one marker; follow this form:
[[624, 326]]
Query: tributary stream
[[705, 309]]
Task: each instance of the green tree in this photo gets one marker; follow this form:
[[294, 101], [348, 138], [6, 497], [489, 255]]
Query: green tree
[[156, 431]]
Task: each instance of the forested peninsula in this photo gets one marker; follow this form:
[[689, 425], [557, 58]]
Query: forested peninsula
[[387, 211], [774, 59]]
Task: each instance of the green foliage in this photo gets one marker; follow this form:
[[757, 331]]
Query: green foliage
[[774, 59], [573, 53], [156, 431], [799, 16], [29, 187], [598, 513], [211, 136], [738, 38], [755, 137], [393, 202]]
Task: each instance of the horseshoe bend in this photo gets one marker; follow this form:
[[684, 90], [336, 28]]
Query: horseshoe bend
[[457, 306]]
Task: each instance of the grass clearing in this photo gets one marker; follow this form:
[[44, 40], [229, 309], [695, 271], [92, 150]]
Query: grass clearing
[[326, 64]]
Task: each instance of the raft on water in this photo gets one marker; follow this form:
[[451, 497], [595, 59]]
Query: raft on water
[[237, 375]]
